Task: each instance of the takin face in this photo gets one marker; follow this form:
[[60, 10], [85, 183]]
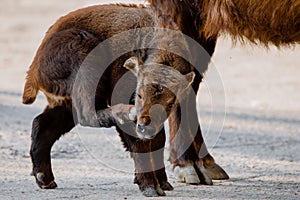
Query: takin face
[[159, 91]]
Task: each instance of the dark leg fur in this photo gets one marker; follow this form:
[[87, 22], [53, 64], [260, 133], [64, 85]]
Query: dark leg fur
[[46, 129], [148, 156], [157, 147], [163, 179]]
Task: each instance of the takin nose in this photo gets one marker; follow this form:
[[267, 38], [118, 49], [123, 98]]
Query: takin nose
[[144, 121], [144, 130], [141, 127]]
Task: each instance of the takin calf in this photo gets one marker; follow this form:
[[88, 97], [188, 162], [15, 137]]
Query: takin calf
[[71, 71]]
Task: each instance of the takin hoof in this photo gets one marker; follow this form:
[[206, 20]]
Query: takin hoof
[[42, 182], [164, 186], [132, 114], [124, 113], [190, 175], [153, 192], [216, 172], [167, 186]]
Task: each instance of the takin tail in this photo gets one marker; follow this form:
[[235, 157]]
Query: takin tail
[[30, 89]]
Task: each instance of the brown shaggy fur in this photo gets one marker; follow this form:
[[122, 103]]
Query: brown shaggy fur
[[260, 21]]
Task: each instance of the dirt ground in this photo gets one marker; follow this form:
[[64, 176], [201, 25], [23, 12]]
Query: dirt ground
[[258, 146]]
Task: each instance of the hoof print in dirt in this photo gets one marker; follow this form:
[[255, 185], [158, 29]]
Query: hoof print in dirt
[[153, 192], [40, 180]]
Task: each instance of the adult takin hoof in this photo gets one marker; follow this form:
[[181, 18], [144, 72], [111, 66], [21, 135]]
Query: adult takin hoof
[[193, 175], [216, 172], [153, 192], [43, 183]]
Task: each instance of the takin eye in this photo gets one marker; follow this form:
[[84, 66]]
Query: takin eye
[[170, 105], [139, 96]]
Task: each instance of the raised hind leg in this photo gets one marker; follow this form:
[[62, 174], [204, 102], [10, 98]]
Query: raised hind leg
[[46, 129]]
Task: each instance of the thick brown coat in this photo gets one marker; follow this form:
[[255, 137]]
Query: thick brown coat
[[260, 21]]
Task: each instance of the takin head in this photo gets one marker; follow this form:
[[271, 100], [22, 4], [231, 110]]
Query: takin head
[[159, 91]]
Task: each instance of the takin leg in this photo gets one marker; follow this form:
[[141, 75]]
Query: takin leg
[[118, 114], [189, 155], [150, 172], [157, 148], [46, 129], [184, 147]]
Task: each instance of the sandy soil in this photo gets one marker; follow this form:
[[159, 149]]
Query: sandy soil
[[259, 145]]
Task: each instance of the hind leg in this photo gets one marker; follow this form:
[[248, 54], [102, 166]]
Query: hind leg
[[186, 143], [46, 129], [189, 155]]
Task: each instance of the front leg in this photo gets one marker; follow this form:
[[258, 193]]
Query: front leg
[[145, 175], [158, 147], [150, 172], [114, 115], [107, 117]]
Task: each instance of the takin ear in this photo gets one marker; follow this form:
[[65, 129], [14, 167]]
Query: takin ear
[[133, 64], [189, 78]]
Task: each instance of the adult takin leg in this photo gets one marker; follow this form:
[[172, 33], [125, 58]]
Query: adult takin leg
[[188, 152]]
